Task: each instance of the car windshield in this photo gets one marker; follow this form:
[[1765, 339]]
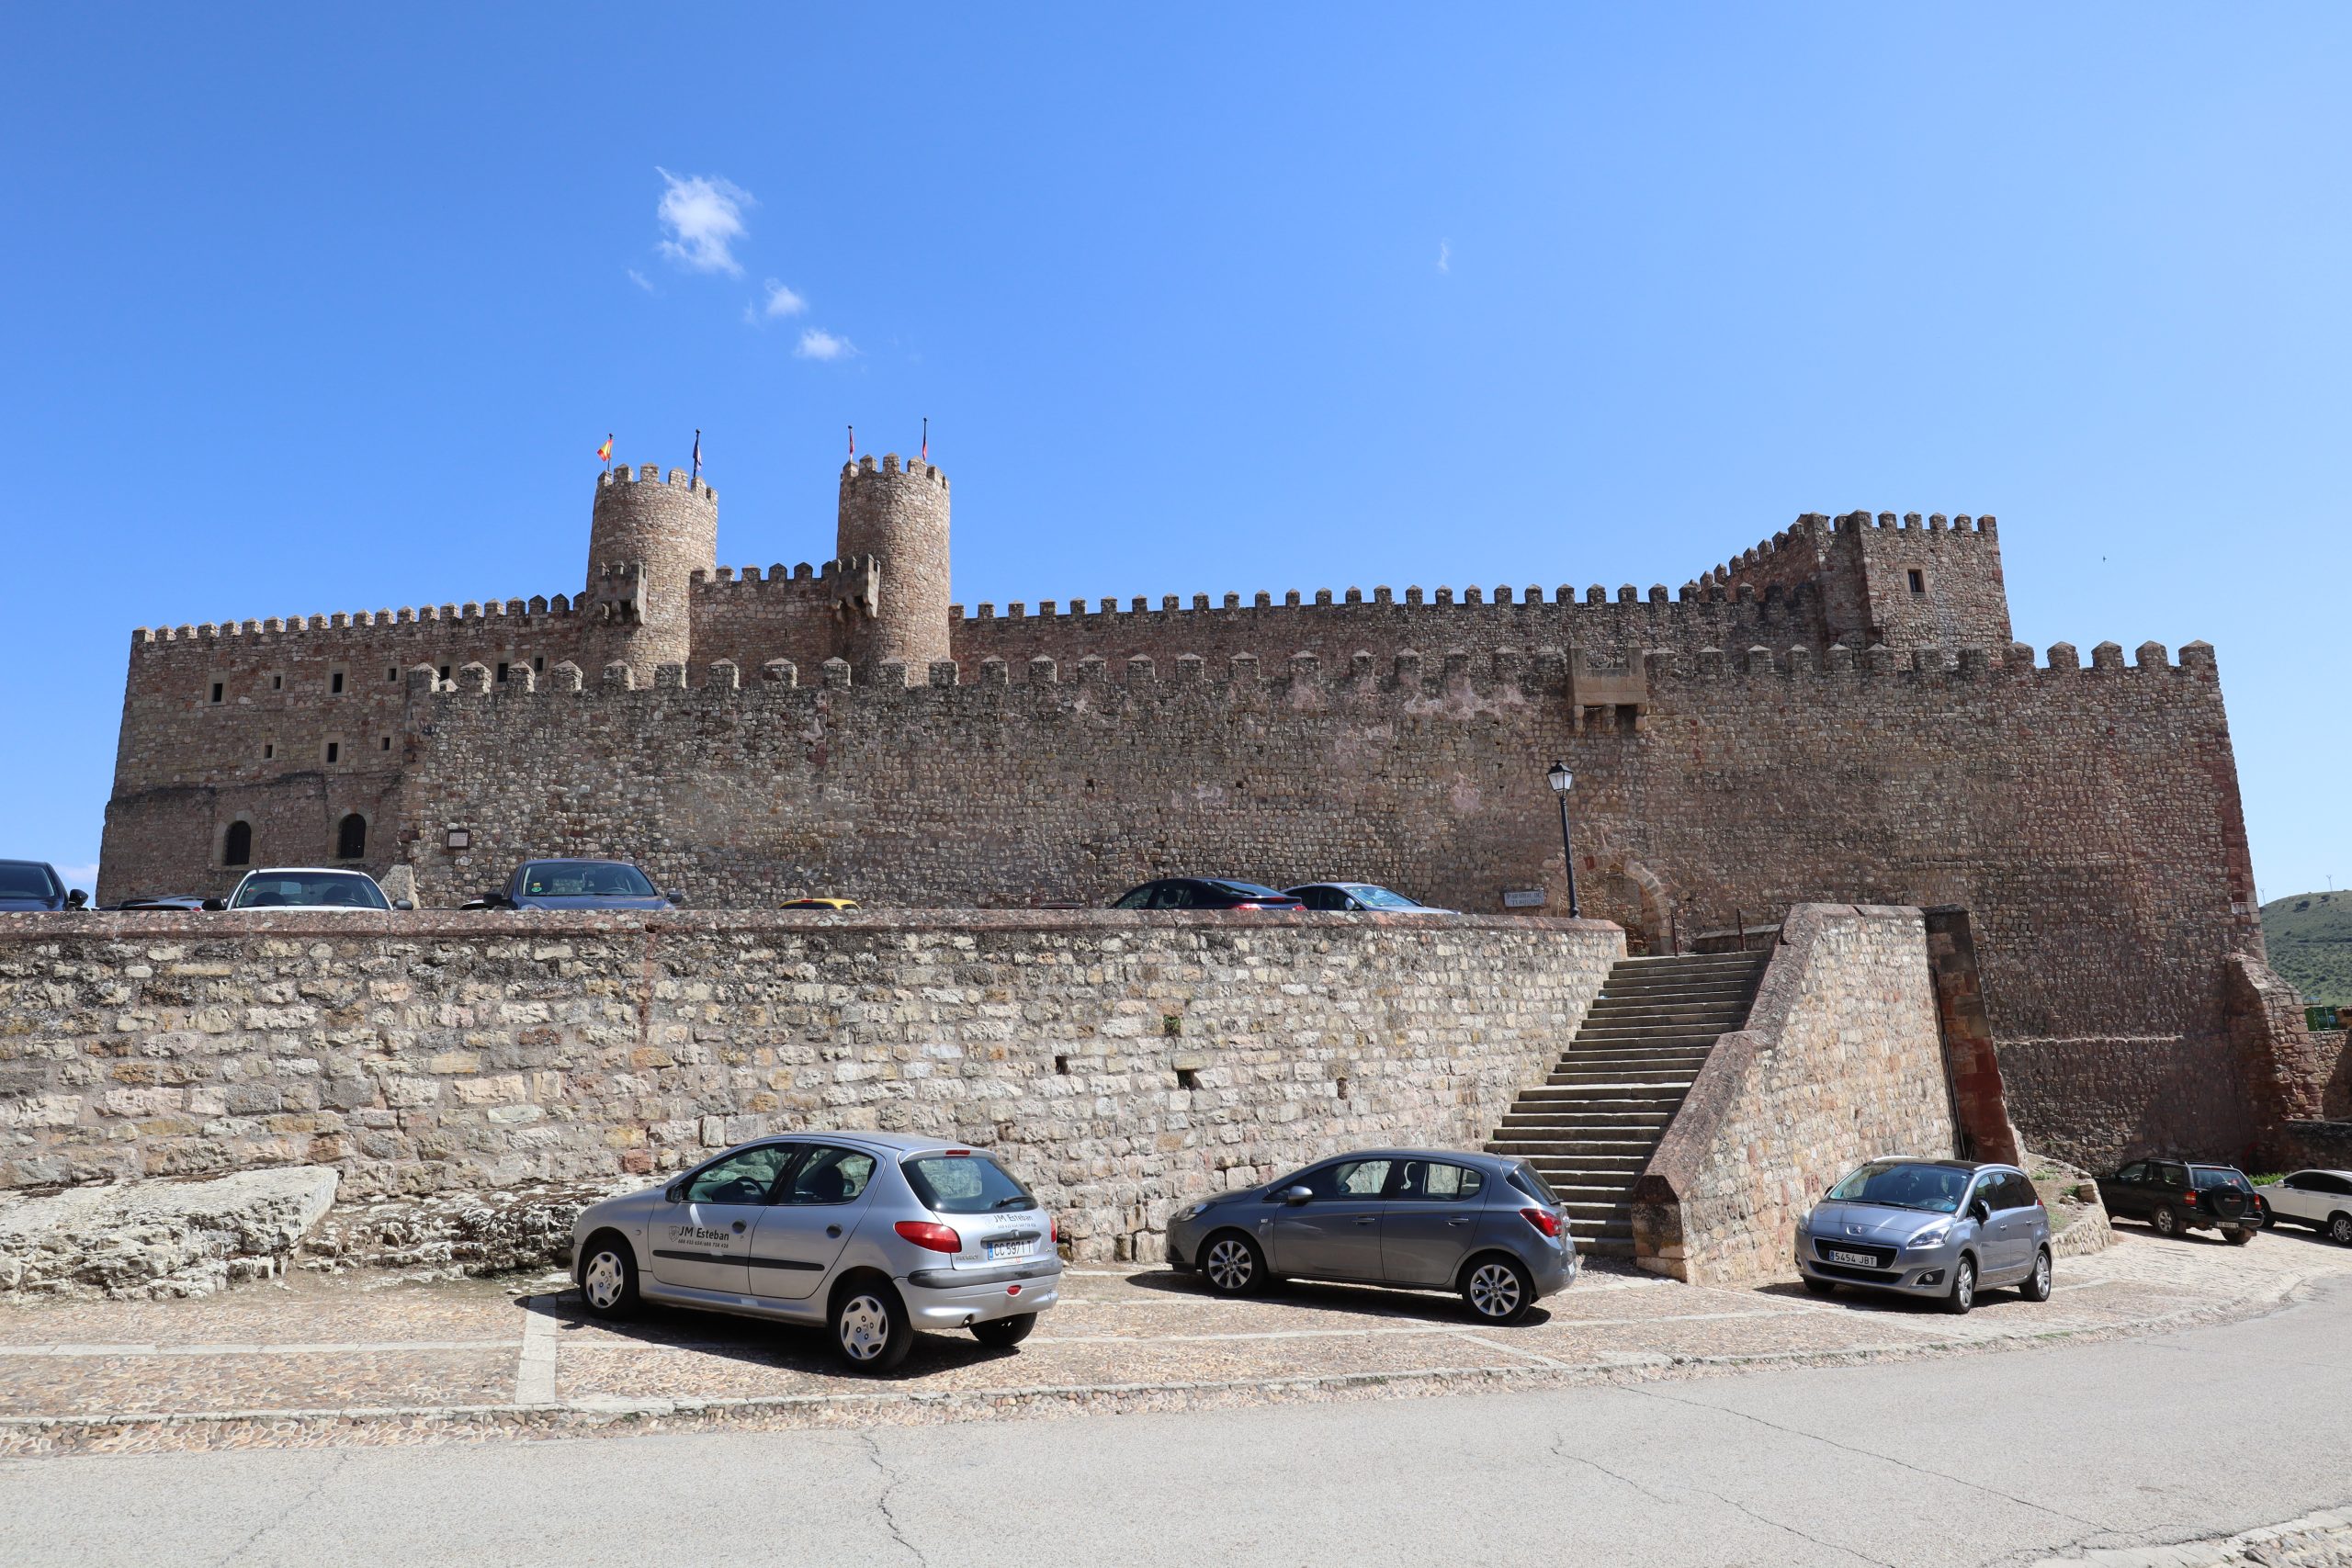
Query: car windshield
[[584, 879], [1905, 1184], [1373, 897], [2219, 1175], [297, 890], [1246, 889], [24, 879], [964, 1184]]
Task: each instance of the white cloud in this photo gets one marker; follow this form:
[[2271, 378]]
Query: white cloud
[[638, 278], [1445, 256], [703, 217], [781, 301], [818, 343]]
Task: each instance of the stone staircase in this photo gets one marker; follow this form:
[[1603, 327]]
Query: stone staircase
[[1591, 1126]]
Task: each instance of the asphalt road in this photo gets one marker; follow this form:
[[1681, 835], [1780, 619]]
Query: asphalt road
[[2002, 1458]]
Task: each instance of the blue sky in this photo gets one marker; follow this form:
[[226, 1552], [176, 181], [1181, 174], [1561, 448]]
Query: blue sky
[[312, 309]]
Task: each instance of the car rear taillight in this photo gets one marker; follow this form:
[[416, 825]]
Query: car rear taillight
[[1053, 1231], [2190, 1198], [1543, 1220], [937, 1237]]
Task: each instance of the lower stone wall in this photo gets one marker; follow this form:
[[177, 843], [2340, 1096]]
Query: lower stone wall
[[2336, 1072], [1120, 1061], [2098, 1102], [1840, 1060]]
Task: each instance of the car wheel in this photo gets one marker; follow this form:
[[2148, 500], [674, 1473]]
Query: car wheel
[[2037, 1284], [2163, 1221], [870, 1328], [1233, 1264], [1003, 1333], [1963, 1289], [1821, 1287], [608, 1277], [1498, 1291]]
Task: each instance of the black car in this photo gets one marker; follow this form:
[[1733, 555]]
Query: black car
[[2174, 1196], [1205, 893], [1360, 898], [575, 885], [34, 885]]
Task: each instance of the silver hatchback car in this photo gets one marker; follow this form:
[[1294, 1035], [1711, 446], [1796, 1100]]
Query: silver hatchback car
[[1483, 1226], [875, 1235], [1939, 1228]]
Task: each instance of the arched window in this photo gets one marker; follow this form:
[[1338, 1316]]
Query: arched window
[[237, 847], [350, 838]]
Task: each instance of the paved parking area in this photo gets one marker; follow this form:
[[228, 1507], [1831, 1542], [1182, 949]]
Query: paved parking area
[[330, 1362]]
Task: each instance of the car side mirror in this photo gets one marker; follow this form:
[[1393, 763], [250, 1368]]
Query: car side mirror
[[1980, 1211], [77, 899], [216, 905], [402, 904], [675, 1191], [674, 897], [1294, 1196]]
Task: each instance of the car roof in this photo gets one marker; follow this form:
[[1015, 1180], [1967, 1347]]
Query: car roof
[[1476, 1158], [2321, 1170], [43, 863], [306, 871], [905, 1142], [577, 860]]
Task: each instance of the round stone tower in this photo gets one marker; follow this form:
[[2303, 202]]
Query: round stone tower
[[647, 537], [898, 515]]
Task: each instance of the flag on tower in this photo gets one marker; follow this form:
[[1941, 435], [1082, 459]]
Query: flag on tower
[[605, 453], [926, 438], [697, 455], [853, 443]]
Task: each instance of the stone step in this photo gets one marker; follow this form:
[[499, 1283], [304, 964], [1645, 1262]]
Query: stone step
[[1576, 1144], [1633, 1033], [1541, 1155]]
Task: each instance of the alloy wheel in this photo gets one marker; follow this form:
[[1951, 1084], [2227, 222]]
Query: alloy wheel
[[603, 1282], [1229, 1265], [2041, 1277], [2339, 1230], [1494, 1290], [864, 1328], [2164, 1221]]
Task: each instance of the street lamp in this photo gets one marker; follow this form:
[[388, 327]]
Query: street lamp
[[1562, 782]]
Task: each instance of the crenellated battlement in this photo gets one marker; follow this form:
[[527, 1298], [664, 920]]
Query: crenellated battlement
[[1412, 598], [866, 470], [620, 475], [1567, 674], [428, 619], [821, 579]]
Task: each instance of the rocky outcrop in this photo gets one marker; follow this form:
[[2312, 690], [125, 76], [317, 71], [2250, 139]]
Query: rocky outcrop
[[445, 1234], [160, 1238]]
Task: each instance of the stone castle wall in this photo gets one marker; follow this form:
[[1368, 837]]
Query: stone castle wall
[[1840, 1060], [2087, 819], [1120, 1062]]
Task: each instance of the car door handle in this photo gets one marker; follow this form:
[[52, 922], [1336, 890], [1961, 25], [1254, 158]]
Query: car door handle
[[1462, 1220], [739, 1227], [833, 1230], [1367, 1219]]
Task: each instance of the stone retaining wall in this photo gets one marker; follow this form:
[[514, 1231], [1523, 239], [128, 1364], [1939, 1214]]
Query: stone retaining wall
[[1840, 1060], [1121, 1061]]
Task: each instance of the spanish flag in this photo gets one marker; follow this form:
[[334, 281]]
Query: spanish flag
[[605, 453]]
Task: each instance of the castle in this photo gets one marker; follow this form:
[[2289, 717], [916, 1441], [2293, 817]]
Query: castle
[[1838, 713]]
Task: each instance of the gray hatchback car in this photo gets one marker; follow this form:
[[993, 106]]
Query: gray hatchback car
[[1939, 1228], [1483, 1225], [875, 1235]]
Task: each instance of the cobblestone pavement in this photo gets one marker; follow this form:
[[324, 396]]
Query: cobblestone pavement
[[319, 1362]]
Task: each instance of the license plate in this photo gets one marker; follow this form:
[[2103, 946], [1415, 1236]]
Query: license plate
[[1007, 1249], [1862, 1259]]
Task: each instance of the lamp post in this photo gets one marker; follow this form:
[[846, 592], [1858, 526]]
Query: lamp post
[[1562, 782]]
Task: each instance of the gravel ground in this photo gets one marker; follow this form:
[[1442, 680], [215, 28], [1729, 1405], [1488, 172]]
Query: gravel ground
[[355, 1359]]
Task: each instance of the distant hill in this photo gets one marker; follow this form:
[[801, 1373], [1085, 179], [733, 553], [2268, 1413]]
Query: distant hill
[[2309, 939]]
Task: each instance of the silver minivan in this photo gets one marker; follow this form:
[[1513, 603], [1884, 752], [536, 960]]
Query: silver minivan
[[1939, 1228], [873, 1235]]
